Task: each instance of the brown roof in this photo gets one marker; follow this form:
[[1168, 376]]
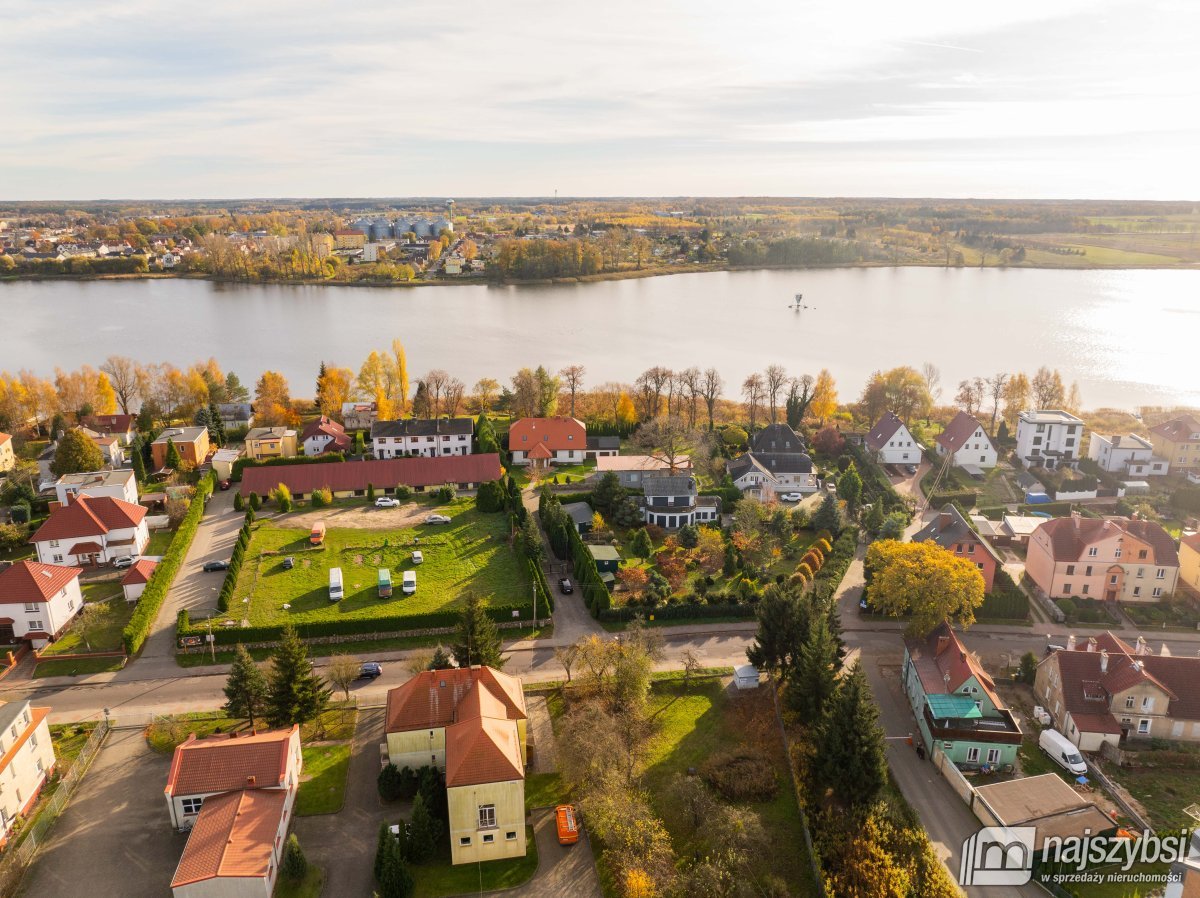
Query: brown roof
[[89, 516], [959, 431], [32, 581], [483, 750], [357, 475], [1069, 537], [322, 425], [435, 698], [885, 428], [234, 835], [121, 424], [1178, 430], [219, 764], [1045, 802], [949, 527], [557, 433], [139, 573], [940, 655]]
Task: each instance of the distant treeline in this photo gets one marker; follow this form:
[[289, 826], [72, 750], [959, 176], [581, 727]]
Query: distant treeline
[[537, 259], [79, 266], [794, 251]]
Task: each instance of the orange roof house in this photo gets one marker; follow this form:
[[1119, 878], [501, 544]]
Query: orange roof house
[[563, 440]]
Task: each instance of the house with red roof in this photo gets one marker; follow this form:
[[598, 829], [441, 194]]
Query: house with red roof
[[234, 795], [955, 702], [133, 584], [26, 761], [471, 723], [966, 440], [347, 479], [892, 442], [122, 427], [323, 434], [1114, 559], [950, 530], [37, 601], [562, 441], [92, 530], [1103, 689]]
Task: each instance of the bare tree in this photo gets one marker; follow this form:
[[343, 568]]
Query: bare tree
[[572, 377], [691, 667], [455, 389], [776, 378], [970, 395], [567, 655], [752, 390], [668, 440], [436, 382], [341, 673], [650, 385], [609, 395], [690, 382], [123, 375], [710, 389], [933, 380], [996, 385], [1047, 388]]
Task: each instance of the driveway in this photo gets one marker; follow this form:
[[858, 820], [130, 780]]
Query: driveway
[[115, 836], [562, 869], [910, 485]]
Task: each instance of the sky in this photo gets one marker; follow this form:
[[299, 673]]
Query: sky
[[1026, 98]]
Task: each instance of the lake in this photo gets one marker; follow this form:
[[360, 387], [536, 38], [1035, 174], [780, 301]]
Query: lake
[[1129, 338]]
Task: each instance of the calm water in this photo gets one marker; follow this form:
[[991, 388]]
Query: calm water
[[1128, 337]]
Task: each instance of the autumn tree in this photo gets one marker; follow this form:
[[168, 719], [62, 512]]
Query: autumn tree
[[75, 453], [667, 440], [924, 582], [824, 397], [1016, 398], [1048, 390], [272, 402], [333, 389], [932, 375], [648, 391], [969, 397], [901, 390], [484, 394]]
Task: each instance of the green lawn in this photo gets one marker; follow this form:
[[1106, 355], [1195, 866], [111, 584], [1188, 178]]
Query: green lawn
[[363, 648], [309, 887], [72, 667], [544, 790], [167, 732], [438, 880], [69, 739], [104, 633], [160, 541], [470, 553], [101, 590], [323, 781], [1163, 791]]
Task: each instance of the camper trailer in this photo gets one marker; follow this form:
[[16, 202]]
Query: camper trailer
[[335, 584]]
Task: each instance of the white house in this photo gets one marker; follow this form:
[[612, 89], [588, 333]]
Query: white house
[[324, 435], [1128, 456], [673, 502], [557, 441], [965, 439], [422, 436], [26, 761], [759, 474], [37, 601], [8, 457], [1049, 438], [110, 446], [117, 484], [91, 531], [892, 442], [234, 795]]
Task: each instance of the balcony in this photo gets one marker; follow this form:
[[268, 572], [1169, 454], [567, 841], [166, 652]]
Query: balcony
[[1002, 730]]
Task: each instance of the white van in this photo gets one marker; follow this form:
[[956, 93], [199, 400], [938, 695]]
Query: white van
[[335, 584], [1062, 751], [408, 585]]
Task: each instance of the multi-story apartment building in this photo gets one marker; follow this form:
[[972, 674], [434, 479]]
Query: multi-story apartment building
[[1049, 438]]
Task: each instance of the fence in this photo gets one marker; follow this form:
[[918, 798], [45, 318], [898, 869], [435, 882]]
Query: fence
[[17, 859]]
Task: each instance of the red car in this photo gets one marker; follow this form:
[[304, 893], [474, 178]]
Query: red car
[[224, 484]]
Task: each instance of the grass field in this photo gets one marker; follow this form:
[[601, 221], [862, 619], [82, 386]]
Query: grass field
[[69, 739], [160, 541], [167, 732], [323, 782], [104, 633], [440, 879], [309, 887], [544, 790], [1163, 791], [76, 667], [472, 552]]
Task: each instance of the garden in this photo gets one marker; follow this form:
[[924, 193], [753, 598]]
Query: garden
[[98, 629]]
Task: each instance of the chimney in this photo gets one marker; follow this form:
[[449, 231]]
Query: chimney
[[942, 642], [944, 519], [1141, 646], [1103, 661], [250, 780], [1091, 644], [1071, 643]]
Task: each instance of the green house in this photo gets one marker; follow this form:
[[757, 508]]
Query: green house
[[608, 562], [955, 703]]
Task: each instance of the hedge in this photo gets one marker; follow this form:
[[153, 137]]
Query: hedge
[[148, 606], [243, 463], [595, 592], [730, 496], [677, 612], [353, 626], [1006, 601], [965, 498], [538, 576], [1187, 498]]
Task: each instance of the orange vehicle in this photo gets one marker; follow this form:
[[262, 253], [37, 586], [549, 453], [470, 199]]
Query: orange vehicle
[[318, 533], [567, 823]]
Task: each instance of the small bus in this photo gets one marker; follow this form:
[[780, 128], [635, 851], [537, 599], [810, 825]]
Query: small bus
[[317, 536], [335, 584], [567, 824], [385, 583]]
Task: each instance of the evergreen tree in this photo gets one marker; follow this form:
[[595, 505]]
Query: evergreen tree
[[531, 541], [689, 535], [441, 659], [395, 880], [850, 761], [729, 568], [75, 453], [215, 425], [627, 512], [828, 516], [234, 389], [295, 693], [607, 493], [640, 545], [246, 688], [321, 373], [1002, 432], [294, 865], [174, 460], [476, 639], [875, 519], [432, 787], [849, 488], [382, 846], [812, 681], [779, 618], [145, 419], [202, 419], [389, 782], [370, 492], [239, 504], [136, 457], [255, 501], [422, 841]]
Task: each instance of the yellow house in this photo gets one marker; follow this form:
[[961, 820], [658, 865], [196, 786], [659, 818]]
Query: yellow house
[[471, 723], [1189, 562], [348, 239], [8, 457], [1178, 441], [270, 442]]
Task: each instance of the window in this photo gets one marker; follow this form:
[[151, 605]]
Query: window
[[487, 816], [1141, 572], [1093, 551], [191, 805], [1112, 580], [971, 548], [464, 840], [1156, 592], [1070, 569], [1160, 574], [1147, 703], [972, 755], [57, 559], [26, 716], [511, 836], [1117, 554], [1142, 553], [32, 739], [1137, 591], [1085, 590], [488, 838], [41, 768], [1066, 589], [1087, 571], [1143, 727], [54, 544], [993, 756], [31, 607], [1129, 701]]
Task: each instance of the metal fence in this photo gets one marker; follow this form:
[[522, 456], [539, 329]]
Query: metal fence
[[18, 858]]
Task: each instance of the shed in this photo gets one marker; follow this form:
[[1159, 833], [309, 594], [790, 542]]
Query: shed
[[607, 559], [581, 514], [1043, 801], [746, 676], [1135, 487]]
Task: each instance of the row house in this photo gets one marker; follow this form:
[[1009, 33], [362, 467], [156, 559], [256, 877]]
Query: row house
[[428, 437]]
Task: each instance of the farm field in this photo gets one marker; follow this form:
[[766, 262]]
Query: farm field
[[470, 553]]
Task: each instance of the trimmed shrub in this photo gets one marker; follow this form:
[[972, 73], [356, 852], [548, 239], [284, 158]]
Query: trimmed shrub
[[323, 497], [444, 494], [390, 783]]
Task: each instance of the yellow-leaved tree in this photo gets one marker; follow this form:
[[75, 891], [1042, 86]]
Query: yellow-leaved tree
[[924, 582], [824, 397]]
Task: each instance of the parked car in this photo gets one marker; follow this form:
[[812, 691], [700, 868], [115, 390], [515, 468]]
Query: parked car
[[417, 556], [910, 469], [831, 484], [122, 563], [213, 566], [387, 502], [289, 563], [370, 670], [1062, 751], [224, 485], [565, 587], [791, 497], [437, 519]]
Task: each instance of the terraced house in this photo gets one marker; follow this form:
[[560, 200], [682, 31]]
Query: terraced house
[[427, 437], [1113, 559], [955, 703]]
